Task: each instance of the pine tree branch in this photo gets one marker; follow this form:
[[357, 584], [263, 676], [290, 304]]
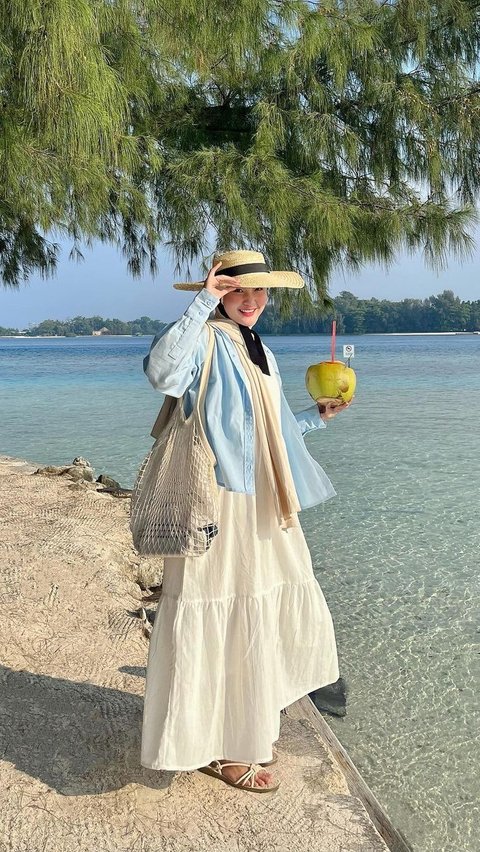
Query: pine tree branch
[[212, 67], [310, 142], [447, 22], [461, 96]]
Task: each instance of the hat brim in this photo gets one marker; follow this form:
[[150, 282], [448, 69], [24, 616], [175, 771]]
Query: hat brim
[[291, 280]]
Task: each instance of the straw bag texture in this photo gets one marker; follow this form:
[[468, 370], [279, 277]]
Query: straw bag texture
[[174, 505]]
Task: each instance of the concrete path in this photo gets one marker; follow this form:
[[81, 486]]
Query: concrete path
[[73, 653]]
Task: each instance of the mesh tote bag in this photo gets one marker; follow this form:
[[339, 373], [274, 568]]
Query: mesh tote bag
[[174, 505]]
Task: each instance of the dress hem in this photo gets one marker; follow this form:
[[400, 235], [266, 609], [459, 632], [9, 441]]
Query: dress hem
[[208, 760]]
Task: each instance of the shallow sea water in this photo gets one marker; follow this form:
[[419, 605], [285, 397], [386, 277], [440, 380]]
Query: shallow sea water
[[397, 552]]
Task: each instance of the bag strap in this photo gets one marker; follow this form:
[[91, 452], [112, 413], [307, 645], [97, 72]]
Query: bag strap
[[199, 409], [171, 402], [164, 415]]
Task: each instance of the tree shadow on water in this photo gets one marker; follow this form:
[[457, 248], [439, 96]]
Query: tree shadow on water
[[78, 738]]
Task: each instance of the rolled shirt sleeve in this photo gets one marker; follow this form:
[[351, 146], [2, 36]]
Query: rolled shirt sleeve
[[309, 419], [178, 350]]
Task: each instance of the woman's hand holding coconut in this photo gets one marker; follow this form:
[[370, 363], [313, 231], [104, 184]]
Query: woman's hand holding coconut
[[329, 407]]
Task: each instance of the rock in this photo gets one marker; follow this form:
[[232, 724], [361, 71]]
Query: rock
[[80, 469], [154, 595], [147, 618], [84, 466], [80, 473], [148, 572], [109, 482], [51, 470], [332, 698]]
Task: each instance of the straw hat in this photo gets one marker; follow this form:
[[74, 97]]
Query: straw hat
[[252, 270]]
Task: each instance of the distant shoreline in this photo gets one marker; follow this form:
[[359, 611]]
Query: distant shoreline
[[419, 333], [266, 334], [63, 336]]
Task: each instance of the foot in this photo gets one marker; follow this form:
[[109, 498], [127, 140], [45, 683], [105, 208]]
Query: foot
[[262, 778]]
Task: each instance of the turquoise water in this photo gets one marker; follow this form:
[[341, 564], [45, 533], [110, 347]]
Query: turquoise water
[[397, 552]]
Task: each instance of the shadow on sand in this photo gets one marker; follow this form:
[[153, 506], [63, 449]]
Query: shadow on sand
[[77, 738]]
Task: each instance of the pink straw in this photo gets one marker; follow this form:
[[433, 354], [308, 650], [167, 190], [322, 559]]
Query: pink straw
[[334, 333]]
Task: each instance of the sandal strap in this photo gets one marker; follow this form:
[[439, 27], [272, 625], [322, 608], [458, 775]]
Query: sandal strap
[[233, 763], [247, 776]]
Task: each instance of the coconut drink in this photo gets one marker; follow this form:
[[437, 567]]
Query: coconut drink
[[332, 379]]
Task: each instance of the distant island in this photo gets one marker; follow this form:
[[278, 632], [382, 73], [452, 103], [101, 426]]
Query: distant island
[[442, 313], [86, 327]]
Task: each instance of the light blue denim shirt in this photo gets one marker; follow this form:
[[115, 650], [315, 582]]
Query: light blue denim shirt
[[173, 366]]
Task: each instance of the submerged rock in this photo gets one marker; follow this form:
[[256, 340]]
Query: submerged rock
[[332, 698]]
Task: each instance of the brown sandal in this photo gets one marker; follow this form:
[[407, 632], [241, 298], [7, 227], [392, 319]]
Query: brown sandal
[[245, 782]]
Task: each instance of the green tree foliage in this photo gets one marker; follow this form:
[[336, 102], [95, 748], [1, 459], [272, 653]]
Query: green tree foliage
[[324, 134], [445, 312], [87, 325]]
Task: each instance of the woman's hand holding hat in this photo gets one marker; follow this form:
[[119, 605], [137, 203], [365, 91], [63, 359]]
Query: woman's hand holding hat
[[218, 285]]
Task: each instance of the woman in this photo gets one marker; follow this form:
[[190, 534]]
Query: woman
[[243, 630]]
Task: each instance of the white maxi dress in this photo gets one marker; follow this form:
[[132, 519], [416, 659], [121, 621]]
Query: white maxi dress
[[240, 633]]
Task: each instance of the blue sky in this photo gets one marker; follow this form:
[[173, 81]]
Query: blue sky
[[101, 285]]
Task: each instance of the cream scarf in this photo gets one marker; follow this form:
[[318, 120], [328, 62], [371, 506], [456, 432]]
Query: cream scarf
[[272, 445]]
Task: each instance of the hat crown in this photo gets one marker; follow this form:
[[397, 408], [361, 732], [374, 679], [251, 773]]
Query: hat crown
[[237, 258]]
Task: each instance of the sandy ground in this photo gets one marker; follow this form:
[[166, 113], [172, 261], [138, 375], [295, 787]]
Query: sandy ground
[[73, 655]]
